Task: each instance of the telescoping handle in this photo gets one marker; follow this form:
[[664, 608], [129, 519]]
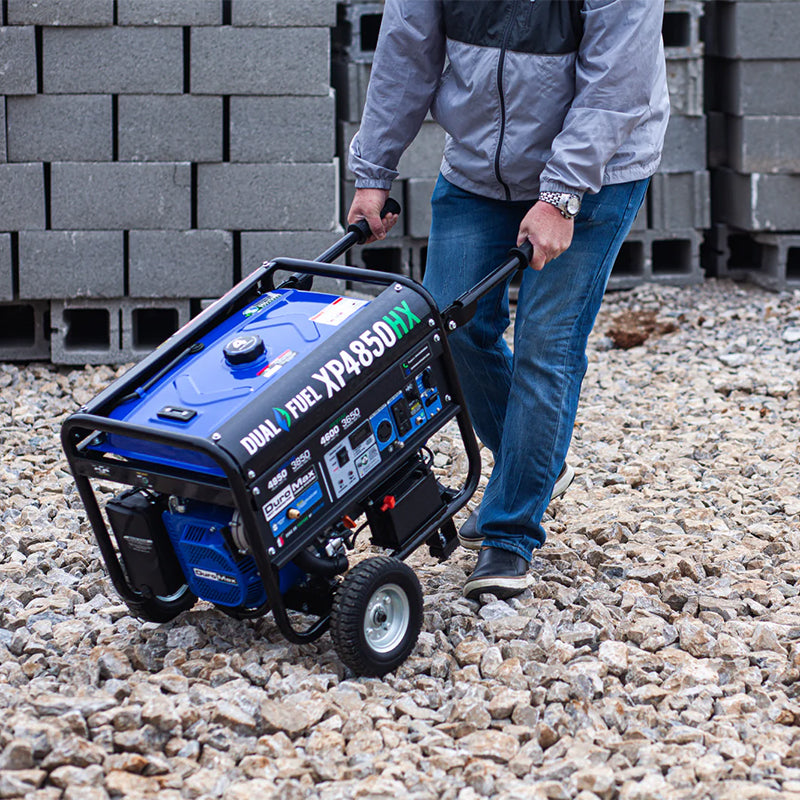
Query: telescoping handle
[[357, 233], [462, 309]]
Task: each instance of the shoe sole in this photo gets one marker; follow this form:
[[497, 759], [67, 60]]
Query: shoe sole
[[562, 484], [502, 588]]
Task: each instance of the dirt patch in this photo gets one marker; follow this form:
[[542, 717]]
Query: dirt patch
[[633, 328]]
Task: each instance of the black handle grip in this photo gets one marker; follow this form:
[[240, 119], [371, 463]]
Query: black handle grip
[[523, 252], [362, 229]]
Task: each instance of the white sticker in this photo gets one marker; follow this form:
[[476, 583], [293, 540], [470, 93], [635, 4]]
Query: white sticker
[[338, 311]]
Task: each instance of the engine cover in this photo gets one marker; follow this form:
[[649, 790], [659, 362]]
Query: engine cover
[[210, 568]]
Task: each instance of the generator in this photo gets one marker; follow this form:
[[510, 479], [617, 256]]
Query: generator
[[256, 443]]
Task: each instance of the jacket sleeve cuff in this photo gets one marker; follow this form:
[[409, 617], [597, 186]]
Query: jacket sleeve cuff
[[368, 175], [555, 186], [373, 183]]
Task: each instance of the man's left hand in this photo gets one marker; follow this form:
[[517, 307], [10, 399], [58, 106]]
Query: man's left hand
[[548, 231]]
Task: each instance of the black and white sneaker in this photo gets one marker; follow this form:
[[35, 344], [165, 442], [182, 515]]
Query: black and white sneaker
[[468, 535], [498, 572]]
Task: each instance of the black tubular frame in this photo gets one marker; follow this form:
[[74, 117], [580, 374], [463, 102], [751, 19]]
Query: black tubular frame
[[80, 429]]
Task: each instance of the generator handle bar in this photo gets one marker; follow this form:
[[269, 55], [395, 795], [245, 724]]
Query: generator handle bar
[[462, 309]]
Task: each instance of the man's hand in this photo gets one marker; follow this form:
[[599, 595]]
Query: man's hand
[[548, 231], [367, 204]]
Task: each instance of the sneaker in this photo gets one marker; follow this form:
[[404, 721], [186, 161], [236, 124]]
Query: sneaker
[[498, 572], [468, 535]]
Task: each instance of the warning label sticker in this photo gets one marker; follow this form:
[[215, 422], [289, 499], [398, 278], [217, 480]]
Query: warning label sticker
[[338, 311]]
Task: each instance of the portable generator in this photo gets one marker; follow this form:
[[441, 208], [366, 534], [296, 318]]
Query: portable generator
[[252, 440]]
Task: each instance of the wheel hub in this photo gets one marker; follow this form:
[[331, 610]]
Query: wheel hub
[[386, 619]]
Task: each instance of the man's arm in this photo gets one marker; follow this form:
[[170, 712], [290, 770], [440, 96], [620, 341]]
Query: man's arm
[[406, 69], [619, 63], [619, 66]]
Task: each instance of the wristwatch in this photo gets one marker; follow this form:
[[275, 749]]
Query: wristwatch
[[568, 204]]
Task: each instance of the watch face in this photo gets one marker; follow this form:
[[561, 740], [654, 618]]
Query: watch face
[[573, 205]]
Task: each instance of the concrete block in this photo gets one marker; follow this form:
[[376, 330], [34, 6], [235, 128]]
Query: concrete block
[[170, 128], [755, 143], [755, 88], [756, 202], [62, 264], [764, 30], [685, 82], [276, 129], [60, 128], [112, 60], [22, 204], [120, 196], [180, 263], [356, 34], [17, 60], [175, 12], [685, 145], [114, 331], [417, 206], [146, 323], [261, 246], [681, 28], [83, 13], [422, 159], [267, 196], [24, 331], [670, 257], [260, 61], [778, 264], [680, 200], [6, 268], [284, 13]]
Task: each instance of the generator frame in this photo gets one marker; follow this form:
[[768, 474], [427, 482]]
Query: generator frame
[[81, 430]]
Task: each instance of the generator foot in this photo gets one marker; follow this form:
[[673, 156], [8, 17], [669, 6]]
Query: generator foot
[[443, 541]]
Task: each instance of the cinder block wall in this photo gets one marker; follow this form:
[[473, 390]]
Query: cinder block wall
[[754, 122], [152, 153]]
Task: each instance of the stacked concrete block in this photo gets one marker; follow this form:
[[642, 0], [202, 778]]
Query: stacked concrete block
[[754, 119], [665, 243], [112, 331], [147, 151]]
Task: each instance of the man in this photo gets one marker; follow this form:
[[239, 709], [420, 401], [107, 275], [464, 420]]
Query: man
[[555, 113]]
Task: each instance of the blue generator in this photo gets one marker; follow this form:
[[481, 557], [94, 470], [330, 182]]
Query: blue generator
[[255, 444]]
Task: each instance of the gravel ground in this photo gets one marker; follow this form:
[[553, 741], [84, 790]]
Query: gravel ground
[[656, 653]]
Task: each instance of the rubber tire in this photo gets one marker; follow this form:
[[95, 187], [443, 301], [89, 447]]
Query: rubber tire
[[349, 610], [154, 609]]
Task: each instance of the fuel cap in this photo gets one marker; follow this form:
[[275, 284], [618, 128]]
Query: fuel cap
[[244, 349]]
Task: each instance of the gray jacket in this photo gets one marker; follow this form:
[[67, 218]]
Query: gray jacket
[[556, 95]]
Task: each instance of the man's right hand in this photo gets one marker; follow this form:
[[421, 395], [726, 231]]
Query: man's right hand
[[367, 204]]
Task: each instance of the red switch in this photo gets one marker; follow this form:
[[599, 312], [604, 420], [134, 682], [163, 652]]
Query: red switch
[[388, 502]]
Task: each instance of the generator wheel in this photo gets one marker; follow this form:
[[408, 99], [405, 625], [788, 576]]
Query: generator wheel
[[377, 615], [164, 609]]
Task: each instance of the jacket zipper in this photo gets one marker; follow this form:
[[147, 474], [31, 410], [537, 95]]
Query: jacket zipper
[[500, 66]]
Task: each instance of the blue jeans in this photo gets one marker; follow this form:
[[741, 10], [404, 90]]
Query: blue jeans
[[523, 404]]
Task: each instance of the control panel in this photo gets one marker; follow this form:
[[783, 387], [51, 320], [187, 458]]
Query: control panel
[[342, 460]]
